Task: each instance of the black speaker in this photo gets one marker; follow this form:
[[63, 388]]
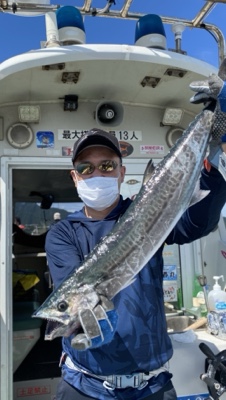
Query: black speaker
[[109, 113]]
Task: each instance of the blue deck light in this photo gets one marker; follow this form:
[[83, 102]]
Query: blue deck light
[[70, 25], [150, 32]]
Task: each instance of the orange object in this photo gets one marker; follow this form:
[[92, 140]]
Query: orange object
[[207, 165]]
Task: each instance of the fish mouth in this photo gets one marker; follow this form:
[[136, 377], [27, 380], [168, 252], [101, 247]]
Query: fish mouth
[[56, 329], [62, 319], [55, 326], [53, 329]]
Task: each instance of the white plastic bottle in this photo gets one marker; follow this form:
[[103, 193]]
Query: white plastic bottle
[[217, 296]]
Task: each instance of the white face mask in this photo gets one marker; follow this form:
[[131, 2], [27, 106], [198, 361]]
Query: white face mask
[[98, 192]]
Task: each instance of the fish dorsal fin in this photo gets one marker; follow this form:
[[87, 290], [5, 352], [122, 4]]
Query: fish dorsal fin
[[148, 171]]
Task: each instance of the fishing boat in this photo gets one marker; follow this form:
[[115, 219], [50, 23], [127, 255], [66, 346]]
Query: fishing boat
[[48, 98]]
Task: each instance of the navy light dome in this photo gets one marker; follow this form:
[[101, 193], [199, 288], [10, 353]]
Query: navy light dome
[[150, 32], [70, 25]]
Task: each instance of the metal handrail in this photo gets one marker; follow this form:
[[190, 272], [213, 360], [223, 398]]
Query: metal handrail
[[124, 13], [86, 6], [125, 8]]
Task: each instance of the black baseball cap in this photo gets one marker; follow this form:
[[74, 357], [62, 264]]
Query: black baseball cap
[[96, 137]]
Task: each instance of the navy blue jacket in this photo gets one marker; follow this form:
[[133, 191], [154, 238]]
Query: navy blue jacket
[[141, 342]]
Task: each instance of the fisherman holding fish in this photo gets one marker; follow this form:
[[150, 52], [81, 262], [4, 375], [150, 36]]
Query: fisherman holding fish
[[116, 346]]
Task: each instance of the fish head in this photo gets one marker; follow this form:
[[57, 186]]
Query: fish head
[[61, 310]]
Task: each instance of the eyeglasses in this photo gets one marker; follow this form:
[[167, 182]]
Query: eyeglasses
[[87, 168]]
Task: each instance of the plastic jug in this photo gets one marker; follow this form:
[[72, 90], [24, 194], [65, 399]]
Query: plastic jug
[[217, 296]]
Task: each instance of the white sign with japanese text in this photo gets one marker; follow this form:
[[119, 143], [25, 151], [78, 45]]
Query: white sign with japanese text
[[151, 149], [74, 134]]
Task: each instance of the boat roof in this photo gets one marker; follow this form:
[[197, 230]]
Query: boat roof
[[141, 78], [194, 16], [22, 75]]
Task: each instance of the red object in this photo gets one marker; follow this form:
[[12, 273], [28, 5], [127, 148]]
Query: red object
[[207, 165]]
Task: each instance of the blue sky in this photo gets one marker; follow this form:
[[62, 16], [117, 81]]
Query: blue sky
[[20, 34]]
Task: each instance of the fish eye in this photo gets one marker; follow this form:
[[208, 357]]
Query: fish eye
[[62, 306]]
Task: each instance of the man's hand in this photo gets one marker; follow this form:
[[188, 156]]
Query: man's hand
[[98, 326], [207, 90], [212, 93]]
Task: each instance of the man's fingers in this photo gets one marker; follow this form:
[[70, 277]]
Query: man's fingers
[[106, 304], [215, 84], [81, 342], [89, 322], [211, 87], [98, 325], [92, 335], [201, 97], [200, 86]]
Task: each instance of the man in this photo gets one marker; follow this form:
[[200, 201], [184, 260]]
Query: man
[[132, 363]]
